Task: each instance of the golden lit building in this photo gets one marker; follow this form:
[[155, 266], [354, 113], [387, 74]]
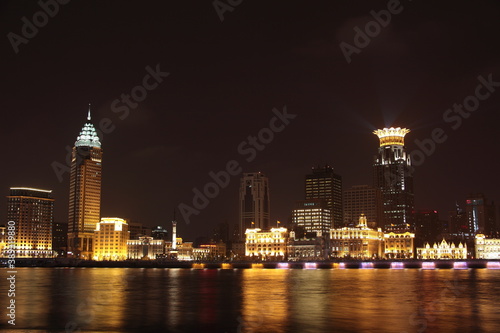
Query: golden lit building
[[443, 250], [399, 245], [266, 244], [145, 248], [84, 192], [358, 242], [32, 210], [487, 248], [110, 239]]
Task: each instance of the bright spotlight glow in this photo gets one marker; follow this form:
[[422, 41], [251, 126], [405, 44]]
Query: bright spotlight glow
[[282, 265], [310, 265], [460, 265], [397, 265], [366, 265], [493, 265]]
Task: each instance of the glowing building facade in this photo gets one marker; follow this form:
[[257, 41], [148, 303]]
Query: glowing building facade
[[324, 183], [145, 248], [84, 192], [358, 242], [254, 202], [32, 210], [266, 244], [110, 239], [399, 245], [313, 215], [487, 248], [442, 250], [392, 175]]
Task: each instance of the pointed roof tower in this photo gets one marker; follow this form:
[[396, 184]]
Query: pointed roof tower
[[88, 135]]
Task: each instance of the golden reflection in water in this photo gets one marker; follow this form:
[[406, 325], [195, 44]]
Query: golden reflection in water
[[102, 298], [264, 305]]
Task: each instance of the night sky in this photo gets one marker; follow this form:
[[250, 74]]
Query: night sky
[[225, 78]]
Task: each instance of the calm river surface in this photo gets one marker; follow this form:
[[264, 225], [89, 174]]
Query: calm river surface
[[254, 300]]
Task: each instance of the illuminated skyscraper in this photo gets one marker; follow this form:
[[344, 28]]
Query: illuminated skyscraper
[[392, 175], [324, 183], [32, 210], [84, 192], [254, 202]]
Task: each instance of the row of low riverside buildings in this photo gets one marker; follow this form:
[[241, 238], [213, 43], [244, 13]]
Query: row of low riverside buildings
[[387, 205]]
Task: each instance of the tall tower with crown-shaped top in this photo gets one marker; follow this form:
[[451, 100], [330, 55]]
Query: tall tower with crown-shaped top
[[84, 191], [392, 174]]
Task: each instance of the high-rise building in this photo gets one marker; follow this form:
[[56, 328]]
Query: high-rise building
[[324, 183], [480, 215], [32, 210], [110, 239], [363, 199], [254, 202], [84, 192], [160, 232], [313, 215], [392, 174], [428, 226]]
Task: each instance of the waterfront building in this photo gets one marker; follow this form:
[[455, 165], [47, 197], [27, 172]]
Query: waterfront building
[[254, 201], [306, 248], [392, 175], [313, 215], [216, 250], [32, 210], [3, 239], [84, 192], [110, 239], [324, 183], [266, 244], [442, 250], [145, 248], [363, 199], [399, 245], [358, 242], [487, 248]]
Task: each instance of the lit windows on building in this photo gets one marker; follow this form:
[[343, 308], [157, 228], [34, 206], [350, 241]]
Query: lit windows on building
[[266, 244], [313, 215], [32, 211], [399, 245], [487, 248], [442, 250], [145, 248], [358, 242], [110, 239]]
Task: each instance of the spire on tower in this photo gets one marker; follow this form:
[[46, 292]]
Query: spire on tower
[[88, 115]]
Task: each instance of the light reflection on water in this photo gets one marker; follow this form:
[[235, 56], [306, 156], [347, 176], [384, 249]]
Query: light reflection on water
[[256, 300]]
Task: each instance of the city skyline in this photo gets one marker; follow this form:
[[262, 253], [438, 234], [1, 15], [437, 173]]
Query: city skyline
[[199, 108]]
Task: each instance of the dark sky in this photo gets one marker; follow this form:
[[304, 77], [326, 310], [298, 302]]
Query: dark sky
[[225, 79]]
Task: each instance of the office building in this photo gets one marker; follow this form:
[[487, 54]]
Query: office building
[[266, 245], [363, 199], [358, 242], [254, 202], [399, 245], [428, 226], [160, 232], [487, 248], [32, 210], [313, 215], [110, 239], [84, 192], [324, 183], [145, 248], [392, 175]]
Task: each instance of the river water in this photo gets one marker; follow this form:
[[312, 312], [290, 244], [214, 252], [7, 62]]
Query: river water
[[254, 300]]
